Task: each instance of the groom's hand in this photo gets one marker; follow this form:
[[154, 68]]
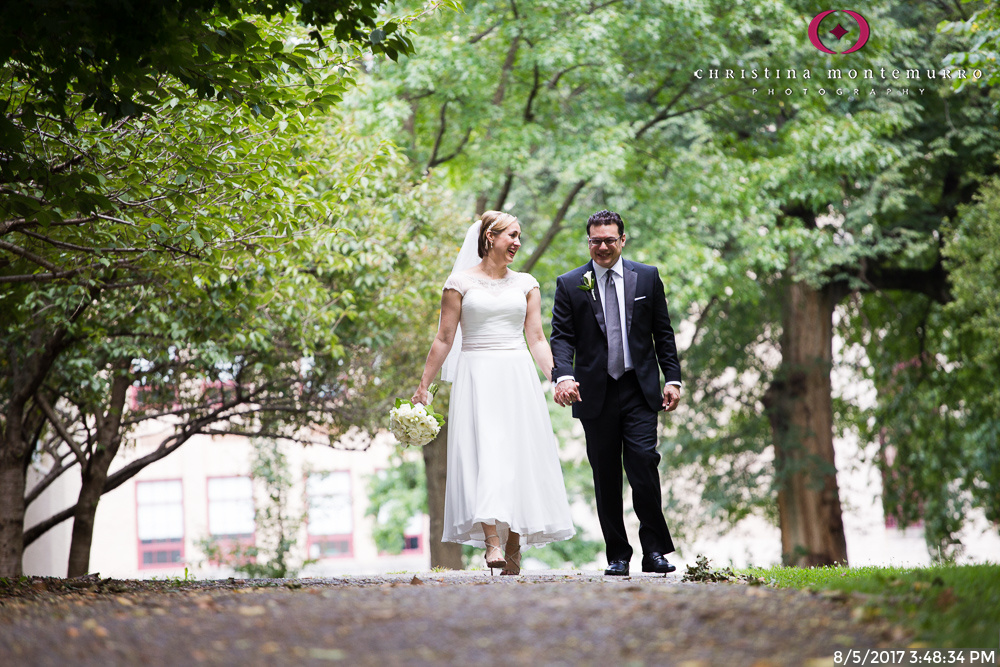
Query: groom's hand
[[671, 397], [567, 392]]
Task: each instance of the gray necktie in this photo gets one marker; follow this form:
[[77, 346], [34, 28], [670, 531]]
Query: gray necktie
[[612, 318]]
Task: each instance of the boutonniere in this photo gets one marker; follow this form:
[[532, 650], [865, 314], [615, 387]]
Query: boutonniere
[[588, 284]]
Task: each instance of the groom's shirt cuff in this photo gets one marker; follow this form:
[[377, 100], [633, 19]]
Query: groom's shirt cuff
[[676, 382]]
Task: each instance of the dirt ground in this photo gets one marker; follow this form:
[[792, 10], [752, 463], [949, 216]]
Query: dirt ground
[[428, 618]]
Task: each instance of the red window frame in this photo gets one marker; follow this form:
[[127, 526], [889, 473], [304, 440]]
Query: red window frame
[[226, 543], [157, 546], [320, 540]]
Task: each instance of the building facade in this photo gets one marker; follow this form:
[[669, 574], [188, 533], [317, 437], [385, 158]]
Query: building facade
[[156, 524]]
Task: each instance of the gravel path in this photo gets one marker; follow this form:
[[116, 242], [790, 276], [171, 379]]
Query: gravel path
[[431, 618]]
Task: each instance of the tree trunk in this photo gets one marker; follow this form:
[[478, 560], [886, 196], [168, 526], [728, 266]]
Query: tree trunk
[[12, 487], [83, 520], [94, 475], [443, 554], [799, 406]]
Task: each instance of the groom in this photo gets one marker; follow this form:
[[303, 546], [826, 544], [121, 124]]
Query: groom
[[611, 336]]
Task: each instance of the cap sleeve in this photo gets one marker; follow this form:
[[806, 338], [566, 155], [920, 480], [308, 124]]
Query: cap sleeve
[[528, 282], [456, 282]]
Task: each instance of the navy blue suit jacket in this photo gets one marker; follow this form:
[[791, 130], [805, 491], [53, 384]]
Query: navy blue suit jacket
[[579, 336]]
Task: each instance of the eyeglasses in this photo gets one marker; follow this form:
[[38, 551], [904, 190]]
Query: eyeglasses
[[609, 241]]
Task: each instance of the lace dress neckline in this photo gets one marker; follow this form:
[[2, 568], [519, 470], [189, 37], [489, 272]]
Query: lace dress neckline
[[491, 281]]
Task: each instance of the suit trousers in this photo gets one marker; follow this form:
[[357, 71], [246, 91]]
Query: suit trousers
[[625, 433]]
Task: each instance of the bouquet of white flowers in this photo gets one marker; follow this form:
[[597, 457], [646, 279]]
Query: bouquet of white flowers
[[414, 424]]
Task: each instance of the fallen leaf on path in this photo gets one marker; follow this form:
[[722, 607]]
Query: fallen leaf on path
[[255, 610], [819, 662], [326, 654]]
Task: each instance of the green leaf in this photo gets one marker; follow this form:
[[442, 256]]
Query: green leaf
[[11, 137]]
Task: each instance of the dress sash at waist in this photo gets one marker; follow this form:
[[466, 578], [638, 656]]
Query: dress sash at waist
[[470, 344]]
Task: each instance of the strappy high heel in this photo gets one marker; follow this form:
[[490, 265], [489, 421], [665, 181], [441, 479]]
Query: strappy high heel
[[496, 562], [513, 558]]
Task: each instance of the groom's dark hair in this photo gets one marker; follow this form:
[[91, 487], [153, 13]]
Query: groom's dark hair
[[606, 218]]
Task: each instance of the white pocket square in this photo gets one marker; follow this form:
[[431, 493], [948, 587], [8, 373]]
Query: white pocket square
[[639, 298]]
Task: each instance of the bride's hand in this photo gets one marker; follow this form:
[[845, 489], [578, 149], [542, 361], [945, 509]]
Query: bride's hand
[[421, 396]]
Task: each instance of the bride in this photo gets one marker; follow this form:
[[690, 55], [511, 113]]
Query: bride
[[504, 485]]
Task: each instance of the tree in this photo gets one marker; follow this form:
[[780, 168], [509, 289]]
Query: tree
[[935, 423], [122, 61], [91, 221], [836, 197], [978, 24], [286, 347]]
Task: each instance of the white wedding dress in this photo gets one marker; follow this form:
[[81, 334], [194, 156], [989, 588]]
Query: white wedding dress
[[503, 460]]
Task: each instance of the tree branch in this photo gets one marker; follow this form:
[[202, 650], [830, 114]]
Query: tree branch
[[52, 475], [476, 38], [435, 160], [70, 246], [508, 65], [30, 256], [664, 113], [505, 190], [932, 282], [701, 318], [113, 481], [555, 227], [167, 447], [529, 115], [598, 7], [17, 223], [442, 124], [60, 427], [554, 81], [61, 275]]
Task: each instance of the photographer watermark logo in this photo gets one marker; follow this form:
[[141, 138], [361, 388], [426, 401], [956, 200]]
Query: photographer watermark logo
[[839, 31]]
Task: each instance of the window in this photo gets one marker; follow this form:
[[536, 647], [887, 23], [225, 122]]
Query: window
[[331, 524], [230, 508], [230, 518], [413, 535], [160, 519]]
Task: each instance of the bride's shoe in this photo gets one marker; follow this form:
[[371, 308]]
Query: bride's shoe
[[497, 560], [513, 561]]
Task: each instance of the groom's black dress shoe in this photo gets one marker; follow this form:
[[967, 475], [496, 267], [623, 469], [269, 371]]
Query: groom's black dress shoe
[[617, 568], [654, 562]]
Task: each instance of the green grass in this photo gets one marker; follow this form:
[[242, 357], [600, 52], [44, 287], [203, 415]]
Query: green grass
[[944, 606]]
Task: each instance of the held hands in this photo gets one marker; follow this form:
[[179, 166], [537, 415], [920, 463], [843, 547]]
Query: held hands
[[671, 397], [567, 392]]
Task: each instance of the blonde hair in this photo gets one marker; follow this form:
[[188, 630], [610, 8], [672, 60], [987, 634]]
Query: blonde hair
[[492, 222]]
